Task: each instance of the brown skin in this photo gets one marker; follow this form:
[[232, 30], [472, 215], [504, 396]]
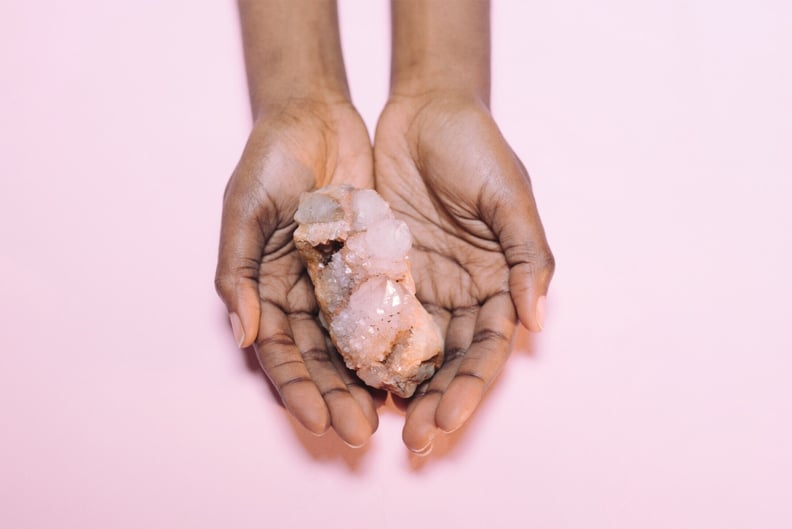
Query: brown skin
[[480, 257], [306, 135]]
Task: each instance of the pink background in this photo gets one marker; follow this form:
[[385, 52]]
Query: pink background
[[659, 137]]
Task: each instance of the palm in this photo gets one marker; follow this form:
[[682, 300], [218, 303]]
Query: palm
[[314, 146], [457, 261], [457, 258], [316, 149], [441, 166], [302, 147]]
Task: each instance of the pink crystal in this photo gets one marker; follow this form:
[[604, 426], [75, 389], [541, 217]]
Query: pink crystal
[[355, 251]]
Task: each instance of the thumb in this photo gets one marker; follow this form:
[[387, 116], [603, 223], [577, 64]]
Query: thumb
[[515, 221], [236, 279]]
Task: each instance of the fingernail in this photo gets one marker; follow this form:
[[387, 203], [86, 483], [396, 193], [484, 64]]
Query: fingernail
[[350, 445], [540, 311], [236, 327], [425, 451]]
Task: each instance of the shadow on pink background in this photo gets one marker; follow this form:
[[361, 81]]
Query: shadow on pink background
[[658, 136]]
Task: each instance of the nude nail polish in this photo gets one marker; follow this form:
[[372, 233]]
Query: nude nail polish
[[425, 451], [236, 327], [540, 311]]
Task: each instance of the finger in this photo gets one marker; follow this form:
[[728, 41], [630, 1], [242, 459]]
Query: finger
[[378, 396], [480, 365], [368, 398], [420, 426], [355, 163], [442, 318], [236, 279], [458, 337], [515, 220], [281, 360], [402, 403], [346, 415]]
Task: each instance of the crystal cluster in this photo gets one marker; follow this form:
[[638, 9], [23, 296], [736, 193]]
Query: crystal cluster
[[356, 255]]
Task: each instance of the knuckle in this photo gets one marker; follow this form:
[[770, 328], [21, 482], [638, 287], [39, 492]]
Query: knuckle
[[275, 344], [292, 382], [548, 262], [224, 285], [230, 274], [526, 253], [538, 260], [316, 355], [489, 335]]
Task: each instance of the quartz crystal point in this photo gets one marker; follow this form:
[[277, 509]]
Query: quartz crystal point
[[356, 255]]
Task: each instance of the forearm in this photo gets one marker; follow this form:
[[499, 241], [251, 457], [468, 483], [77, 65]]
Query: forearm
[[292, 50], [441, 45]]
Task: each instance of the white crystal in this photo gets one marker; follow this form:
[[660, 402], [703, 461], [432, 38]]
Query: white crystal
[[382, 248], [368, 208], [356, 255], [337, 280], [318, 207]]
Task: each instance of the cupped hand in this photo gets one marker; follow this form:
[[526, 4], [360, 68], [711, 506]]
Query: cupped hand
[[480, 257], [295, 147]]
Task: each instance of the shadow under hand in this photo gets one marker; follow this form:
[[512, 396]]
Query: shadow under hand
[[330, 447], [452, 445], [327, 447]]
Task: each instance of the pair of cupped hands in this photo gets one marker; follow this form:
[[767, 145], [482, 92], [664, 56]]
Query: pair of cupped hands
[[480, 258]]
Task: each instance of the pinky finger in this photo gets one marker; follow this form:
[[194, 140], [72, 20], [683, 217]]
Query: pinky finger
[[481, 364]]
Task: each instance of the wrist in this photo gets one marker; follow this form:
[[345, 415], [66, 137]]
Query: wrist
[[434, 84], [441, 46], [307, 90], [292, 51]]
